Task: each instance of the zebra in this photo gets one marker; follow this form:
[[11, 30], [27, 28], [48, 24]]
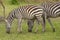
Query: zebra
[[29, 12], [52, 11]]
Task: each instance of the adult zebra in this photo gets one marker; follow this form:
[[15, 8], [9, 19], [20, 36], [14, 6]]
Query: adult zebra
[[52, 11], [29, 12]]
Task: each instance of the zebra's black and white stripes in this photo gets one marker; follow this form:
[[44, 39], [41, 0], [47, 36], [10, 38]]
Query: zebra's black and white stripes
[[29, 12], [52, 11]]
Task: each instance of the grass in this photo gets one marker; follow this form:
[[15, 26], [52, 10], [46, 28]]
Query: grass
[[25, 35]]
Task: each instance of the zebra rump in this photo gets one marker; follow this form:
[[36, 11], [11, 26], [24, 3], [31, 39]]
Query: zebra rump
[[52, 11]]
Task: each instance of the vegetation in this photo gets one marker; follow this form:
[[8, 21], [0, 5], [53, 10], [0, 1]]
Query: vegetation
[[26, 1], [25, 35], [14, 2]]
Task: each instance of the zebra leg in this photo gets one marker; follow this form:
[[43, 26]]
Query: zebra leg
[[30, 25], [51, 24], [39, 19], [8, 26], [19, 25], [37, 22], [43, 24]]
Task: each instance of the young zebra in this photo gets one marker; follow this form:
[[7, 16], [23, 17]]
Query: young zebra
[[29, 12], [52, 11]]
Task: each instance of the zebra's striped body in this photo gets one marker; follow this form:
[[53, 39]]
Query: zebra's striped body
[[29, 12], [52, 11]]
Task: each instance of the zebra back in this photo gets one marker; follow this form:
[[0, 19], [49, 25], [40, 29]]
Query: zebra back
[[52, 9]]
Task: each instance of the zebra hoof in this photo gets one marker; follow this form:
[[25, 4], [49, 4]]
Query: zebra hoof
[[43, 30], [20, 32], [35, 32], [29, 30], [54, 30], [8, 32]]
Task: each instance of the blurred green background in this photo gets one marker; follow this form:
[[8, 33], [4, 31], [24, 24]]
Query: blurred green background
[[26, 1]]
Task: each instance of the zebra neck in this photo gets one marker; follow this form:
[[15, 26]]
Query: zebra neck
[[10, 20]]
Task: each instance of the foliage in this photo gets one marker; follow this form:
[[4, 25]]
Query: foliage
[[27, 1], [14, 2]]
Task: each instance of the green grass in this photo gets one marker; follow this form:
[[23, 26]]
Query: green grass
[[25, 35]]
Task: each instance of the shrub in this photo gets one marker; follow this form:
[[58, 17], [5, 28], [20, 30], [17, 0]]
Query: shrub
[[14, 2]]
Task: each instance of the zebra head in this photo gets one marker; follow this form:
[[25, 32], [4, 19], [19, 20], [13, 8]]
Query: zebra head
[[7, 26]]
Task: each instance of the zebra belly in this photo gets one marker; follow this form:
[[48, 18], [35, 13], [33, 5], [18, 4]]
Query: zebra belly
[[54, 16], [26, 16]]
